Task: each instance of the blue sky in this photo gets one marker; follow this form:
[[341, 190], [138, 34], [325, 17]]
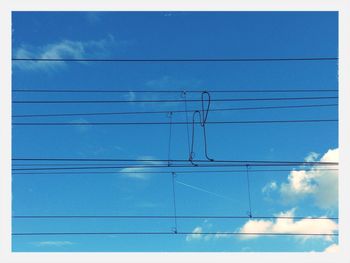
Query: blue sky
[[175, 35]]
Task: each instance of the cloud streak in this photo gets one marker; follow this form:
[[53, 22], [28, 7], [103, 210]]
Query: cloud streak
[[52, 243], [139, 172], [63, 49]]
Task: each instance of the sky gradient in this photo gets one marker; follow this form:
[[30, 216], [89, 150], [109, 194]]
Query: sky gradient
[[158, 35]]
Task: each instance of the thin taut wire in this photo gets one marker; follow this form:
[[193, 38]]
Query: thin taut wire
[[248, 186], [174, 202]]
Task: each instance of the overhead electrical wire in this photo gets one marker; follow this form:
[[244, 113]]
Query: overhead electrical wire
[[144, 167], [167, 123], [166, 172], [280, 59], [142, 163], [170, 217], [173, 111], [175, 160], [172, 91], [168, 100], [170, 233], [203, 115]]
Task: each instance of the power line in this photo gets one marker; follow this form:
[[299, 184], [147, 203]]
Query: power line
[[167, 123], [169, 217], [144, 167], [126, 165], [166, 100], [177, 59], [174, 111], [176, 160], [166, 172], [171, 233], [172, 91]]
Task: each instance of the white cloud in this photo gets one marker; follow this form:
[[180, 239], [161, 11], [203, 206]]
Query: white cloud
[[140, 172], [62, 49], [196, 234], [321, 185], [334, 248], [289, 225], [269, 187], [312, 157], [52, 243]]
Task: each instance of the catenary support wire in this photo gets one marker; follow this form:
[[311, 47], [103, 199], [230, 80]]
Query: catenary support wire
[[170, 115], [184, 95], [174, 202], [248, 188]]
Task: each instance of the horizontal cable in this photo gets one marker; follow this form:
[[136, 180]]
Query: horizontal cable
[[168, 217], [178, 172], [173, 111], [167, 123], [171, 233], [176, 59], [172, 160], [153, 166], [80, 164], [166, 100], [172, 91]]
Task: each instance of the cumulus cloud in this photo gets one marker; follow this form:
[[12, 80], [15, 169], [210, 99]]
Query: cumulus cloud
[[52, 243], [289, 225], [62, 49], [321, 185], [334, 248]]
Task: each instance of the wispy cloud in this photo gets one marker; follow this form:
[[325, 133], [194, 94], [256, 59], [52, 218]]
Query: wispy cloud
[[312, 157], [167, 83], [93, 17], [139, 172], [63, 49], [196, 234], [52, 243], [269, 187], [81, 128]]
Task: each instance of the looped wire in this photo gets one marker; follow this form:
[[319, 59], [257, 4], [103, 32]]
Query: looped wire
[[192, 145], [203, 115]]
